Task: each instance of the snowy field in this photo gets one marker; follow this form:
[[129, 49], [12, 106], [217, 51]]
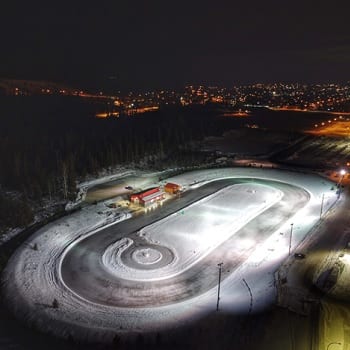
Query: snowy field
[[196, 233]]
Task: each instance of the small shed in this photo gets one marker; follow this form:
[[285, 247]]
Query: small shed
[[172, 188]]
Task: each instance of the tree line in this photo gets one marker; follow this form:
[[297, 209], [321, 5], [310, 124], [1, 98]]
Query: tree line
[[48, 142]]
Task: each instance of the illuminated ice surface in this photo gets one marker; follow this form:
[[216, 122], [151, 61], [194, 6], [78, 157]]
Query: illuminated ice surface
[[147, 256], [193, 232], [32, 280]]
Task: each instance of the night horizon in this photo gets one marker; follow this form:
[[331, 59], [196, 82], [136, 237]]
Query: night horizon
[[161, 46]]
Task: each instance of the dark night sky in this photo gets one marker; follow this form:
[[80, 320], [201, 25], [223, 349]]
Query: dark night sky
[[151, 44]]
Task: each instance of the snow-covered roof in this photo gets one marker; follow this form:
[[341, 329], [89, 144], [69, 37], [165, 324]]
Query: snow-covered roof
[[172, 185], [153, 196]]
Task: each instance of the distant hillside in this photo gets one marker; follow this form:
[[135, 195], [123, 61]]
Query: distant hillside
[[34, 87]]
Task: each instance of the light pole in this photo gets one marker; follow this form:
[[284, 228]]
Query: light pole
[[342, 173], [334, 343], [251, 296], [321, 210], [218, 300], [290, 238]]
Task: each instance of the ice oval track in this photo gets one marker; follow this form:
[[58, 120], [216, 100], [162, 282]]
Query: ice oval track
[[34, 278], [129, 278]]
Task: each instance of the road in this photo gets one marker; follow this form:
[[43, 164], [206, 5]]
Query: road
[[329, 315]]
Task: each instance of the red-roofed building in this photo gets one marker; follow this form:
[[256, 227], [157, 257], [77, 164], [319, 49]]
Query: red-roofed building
[[148, 197]]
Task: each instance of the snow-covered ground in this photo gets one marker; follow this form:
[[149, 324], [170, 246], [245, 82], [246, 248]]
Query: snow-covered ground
[[117, 184], [32, 279], [9, 235], [46, 209]]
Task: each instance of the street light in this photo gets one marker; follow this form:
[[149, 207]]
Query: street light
[[218, 300], [334, 343], [321, 210], [342, 173], [251, 296], [290, 238]]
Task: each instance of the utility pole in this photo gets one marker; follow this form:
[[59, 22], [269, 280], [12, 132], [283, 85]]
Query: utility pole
[[321, 210], [251, 296], [342, 173], [290, 238], [218, 300]]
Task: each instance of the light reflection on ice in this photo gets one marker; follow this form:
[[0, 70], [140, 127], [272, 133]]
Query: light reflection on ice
[[193, 232]]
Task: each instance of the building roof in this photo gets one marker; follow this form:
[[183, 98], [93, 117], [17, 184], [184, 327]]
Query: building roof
[[153, 196], [145, 193], [172, 185]]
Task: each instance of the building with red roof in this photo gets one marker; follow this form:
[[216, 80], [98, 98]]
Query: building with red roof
[[172, 188], [148, 197]]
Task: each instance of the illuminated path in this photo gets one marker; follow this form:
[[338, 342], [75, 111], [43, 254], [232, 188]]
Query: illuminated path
[[159, 270]]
